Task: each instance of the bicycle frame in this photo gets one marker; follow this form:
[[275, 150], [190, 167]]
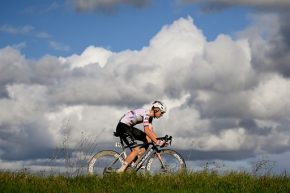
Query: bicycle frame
[[144, 157], [152, 149]]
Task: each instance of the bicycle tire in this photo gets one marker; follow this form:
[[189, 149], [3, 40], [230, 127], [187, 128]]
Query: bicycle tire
[[105, 161], [173, 161]]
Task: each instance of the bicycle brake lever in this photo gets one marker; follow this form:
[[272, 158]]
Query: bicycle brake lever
[[166, 137], [170, 139]]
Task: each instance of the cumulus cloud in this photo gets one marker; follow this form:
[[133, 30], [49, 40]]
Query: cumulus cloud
[[91, 55], [270, 53], [224, 96], [274, 104]]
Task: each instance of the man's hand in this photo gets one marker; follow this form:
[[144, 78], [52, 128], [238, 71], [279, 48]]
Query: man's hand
[[161, 143]]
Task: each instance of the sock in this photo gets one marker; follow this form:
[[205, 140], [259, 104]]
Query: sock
[[122, 168]]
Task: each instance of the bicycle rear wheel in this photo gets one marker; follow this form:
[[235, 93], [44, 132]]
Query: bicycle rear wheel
[[106, 161], [172, 162]]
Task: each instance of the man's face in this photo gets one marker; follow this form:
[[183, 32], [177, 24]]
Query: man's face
[[158, 114]]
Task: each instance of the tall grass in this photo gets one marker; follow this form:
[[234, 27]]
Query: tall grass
[[73, 157], [140, 183]]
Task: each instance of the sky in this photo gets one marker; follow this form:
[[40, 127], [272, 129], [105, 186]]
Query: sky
[[70, 69]]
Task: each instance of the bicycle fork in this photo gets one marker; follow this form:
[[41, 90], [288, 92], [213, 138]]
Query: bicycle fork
[[163, 166]]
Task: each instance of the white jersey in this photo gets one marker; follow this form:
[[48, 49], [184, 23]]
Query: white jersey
[[137, 116]]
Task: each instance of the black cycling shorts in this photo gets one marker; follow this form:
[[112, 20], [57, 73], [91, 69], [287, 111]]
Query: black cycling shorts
[[130, 134]]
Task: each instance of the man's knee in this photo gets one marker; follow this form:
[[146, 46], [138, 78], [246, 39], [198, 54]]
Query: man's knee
[[136, 150], [141, 151]]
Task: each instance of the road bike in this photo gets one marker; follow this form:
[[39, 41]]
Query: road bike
[[155, 160]]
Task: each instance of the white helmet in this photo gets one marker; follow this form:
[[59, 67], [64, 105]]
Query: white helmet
[[160, 105]]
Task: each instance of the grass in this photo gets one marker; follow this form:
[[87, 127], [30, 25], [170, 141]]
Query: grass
[[135, 183]]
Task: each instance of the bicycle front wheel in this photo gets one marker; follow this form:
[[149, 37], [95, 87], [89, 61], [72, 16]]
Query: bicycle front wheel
[[106, 161], [171, 162]]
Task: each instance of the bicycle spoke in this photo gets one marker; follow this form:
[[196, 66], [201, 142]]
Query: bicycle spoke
[[104, 162], [171, 163]]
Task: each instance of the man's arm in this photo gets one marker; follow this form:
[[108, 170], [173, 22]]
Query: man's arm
[[150, 133]]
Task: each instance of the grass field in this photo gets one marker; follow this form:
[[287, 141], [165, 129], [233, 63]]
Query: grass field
[[137, 183]]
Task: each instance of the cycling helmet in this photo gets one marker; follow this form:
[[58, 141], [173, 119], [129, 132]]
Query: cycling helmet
[[160, 105]]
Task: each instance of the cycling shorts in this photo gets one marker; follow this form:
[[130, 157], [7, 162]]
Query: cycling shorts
[[130, 134]]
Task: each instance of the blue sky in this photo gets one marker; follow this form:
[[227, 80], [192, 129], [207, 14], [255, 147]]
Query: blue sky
[[70, 69], [126, 27]]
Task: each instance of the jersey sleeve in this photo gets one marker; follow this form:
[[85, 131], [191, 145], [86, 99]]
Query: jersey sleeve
[[147, 120]]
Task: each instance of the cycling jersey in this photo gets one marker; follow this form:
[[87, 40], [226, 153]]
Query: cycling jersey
[[126, 130], [137, 116]]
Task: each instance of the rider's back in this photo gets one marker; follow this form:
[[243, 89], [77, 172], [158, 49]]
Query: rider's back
[[136, 116]]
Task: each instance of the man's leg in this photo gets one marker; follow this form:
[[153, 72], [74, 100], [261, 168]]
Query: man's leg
[[129, 138], [135, 151]]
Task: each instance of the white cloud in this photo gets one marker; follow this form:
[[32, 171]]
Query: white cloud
[[16, 29], [270, 100], [20, 45], [219, 98], [29, 30], [25, 104], [232, 139], [180, 40], [91, 55], [59, 46], [44, 35]]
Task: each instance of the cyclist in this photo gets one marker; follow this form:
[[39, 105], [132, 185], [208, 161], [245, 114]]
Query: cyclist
[[126, 130]]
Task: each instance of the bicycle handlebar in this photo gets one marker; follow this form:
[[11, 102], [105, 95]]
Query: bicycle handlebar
[[166, 138]]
